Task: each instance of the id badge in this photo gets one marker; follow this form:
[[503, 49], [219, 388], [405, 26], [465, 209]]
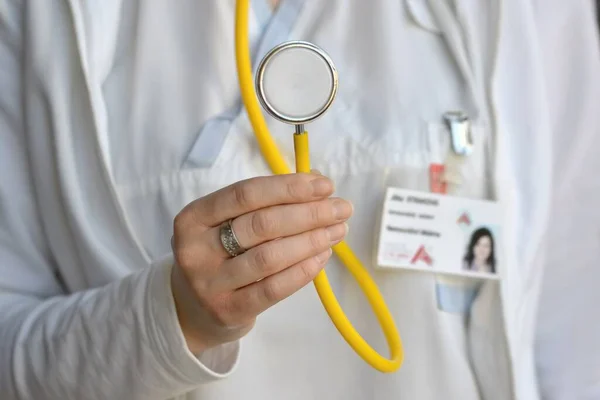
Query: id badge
[[440, 234]]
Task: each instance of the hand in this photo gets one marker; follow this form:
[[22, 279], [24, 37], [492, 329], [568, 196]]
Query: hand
[[288, 225]]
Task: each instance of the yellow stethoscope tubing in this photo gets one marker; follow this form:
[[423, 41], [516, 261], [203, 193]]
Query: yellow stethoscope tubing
[[278, 165]]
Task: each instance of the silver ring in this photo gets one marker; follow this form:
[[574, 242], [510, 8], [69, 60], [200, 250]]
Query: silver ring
[[229, 240]]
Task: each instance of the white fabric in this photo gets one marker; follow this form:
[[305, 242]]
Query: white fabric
[[95, 129]]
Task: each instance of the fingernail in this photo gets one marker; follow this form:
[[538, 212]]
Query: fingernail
[[324, 256], [322, 187], [315, 171], [337, 233], [341, 209]]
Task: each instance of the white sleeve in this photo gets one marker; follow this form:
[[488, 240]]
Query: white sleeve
[[568, 345], [120, 341]]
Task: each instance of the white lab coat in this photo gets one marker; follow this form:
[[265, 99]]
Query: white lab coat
[[115, 114]]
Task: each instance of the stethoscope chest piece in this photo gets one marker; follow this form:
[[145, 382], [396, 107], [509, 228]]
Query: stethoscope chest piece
[[296, 82]]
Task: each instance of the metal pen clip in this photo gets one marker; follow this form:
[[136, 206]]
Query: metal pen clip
[[460, 132]]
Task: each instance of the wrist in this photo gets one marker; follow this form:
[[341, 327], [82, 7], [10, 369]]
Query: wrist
[[184, 302]]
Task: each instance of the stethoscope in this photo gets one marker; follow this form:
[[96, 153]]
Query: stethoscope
[[296, 82]]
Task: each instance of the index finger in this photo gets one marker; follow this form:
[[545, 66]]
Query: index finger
[[256, 193]]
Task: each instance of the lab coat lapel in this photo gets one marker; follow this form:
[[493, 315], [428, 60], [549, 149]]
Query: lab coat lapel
[[522, 177], [110, 238], [450, 28]]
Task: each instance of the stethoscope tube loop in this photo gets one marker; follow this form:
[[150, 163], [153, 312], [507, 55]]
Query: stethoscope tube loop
[[278, 165]]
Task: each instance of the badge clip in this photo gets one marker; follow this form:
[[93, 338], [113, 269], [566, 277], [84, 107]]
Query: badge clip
[[460, 132]]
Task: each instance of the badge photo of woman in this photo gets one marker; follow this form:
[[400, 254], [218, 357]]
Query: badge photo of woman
[[480, 256]]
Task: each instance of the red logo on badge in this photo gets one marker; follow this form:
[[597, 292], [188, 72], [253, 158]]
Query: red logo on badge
[[464, 219], [422, 255]]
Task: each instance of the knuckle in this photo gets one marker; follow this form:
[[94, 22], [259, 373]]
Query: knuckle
[[298, 190], [192, 214], [263, 258], [272, 291], [317, 213], [180, 222], [244, 194], [184, 257], [262, 225], [308, 271], [318, 239]]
